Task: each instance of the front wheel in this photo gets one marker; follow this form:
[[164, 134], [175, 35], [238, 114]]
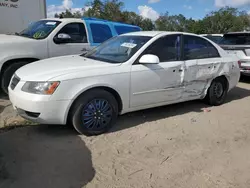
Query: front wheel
[[217, 92], [95, 112]]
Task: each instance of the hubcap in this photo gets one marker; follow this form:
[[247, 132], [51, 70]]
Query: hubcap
[[97, 114], [218, 90]]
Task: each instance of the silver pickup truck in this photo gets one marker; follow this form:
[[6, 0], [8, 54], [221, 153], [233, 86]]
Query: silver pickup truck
[[238, 43]]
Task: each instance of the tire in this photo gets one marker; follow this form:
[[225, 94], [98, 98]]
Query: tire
[[8, 73], [87, 119], [217, 92]]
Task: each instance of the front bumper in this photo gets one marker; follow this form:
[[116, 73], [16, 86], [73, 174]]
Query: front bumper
[[39, 108]]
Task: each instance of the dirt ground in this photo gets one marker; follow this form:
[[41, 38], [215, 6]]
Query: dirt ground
[[177, 146]]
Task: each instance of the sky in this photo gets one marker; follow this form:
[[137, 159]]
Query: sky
[[152, 9]]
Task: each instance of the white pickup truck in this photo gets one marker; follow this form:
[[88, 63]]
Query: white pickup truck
[[54, 37]]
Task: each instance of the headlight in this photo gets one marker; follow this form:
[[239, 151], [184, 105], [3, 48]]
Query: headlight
[[43, 88]]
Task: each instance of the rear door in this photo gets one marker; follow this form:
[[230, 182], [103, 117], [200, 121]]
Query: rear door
[[202, 61], [99, 33]]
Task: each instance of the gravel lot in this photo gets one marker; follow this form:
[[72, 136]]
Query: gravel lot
[[186, 145]]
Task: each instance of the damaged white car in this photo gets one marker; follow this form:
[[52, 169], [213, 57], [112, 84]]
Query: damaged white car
[[130, 72]]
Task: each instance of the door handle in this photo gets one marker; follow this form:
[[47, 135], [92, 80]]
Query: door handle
[[84, 49], [180, 70]]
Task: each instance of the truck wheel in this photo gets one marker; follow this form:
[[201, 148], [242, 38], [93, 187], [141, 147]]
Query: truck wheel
[[217, 92], [8, 73], [95, 112]]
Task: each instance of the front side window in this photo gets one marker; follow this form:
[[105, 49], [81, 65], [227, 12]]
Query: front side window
[[118, 49], [198, 48], [40, 29], [100, 32], [76, 31], [166, 48]]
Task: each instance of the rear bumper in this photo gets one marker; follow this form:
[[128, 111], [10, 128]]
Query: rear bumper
[[245, 67], [245, 72]]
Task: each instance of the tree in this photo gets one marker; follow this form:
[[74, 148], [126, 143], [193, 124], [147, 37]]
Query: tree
[[110, 10], [113, 10], [68, 14], [95, 10], [224, 20], [135, 19]]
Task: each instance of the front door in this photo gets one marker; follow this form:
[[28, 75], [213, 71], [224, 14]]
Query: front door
[[78, 43], [158, 83]]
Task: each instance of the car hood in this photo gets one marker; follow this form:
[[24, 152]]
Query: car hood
[[5, 39], [48, 69]]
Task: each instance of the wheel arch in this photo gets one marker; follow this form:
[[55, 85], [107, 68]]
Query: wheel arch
[[7, 63], [225, 77], [226, 80], [111, 90], [10, 61]]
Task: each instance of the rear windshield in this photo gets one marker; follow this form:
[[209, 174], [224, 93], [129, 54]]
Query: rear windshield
[[125, 29], [236, 39], [216, 39]]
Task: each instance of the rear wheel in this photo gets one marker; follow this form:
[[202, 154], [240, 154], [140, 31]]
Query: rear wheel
[[8, 73], [217, 92], [95, 112]]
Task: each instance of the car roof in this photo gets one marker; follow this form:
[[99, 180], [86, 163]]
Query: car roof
[[155, 33], [63, 19], [211, 35], [239, 32], [89, 20]]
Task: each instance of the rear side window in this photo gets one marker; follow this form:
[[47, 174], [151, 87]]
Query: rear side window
[[236, 39], [100, 32], [125, 29], [198, 48]]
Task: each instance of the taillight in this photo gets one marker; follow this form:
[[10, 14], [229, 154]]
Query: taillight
[[239, 63]]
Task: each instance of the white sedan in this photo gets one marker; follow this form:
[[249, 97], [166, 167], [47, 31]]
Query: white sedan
[[130, 72]]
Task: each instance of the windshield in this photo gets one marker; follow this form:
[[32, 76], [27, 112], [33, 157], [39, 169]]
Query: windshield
[[40, 29], [236, 39], [118, 49], [216, 39]]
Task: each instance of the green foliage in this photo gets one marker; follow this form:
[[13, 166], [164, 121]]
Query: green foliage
[[221, 21], [69, 14], [224, 20], [110, 10]]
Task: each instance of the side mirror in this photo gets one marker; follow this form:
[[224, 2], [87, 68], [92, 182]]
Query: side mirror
[[149, 59], [62, 38]]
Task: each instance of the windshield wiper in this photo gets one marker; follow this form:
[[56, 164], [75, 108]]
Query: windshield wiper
[[102, 59], [25, 35]]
